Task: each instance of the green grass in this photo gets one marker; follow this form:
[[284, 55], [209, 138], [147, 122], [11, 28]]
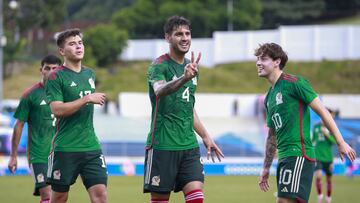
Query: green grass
[[229, 189], [353, 20], [325, 77]]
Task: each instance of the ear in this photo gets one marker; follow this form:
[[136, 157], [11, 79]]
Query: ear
[[61, 51], [167, 37], [277, 62]]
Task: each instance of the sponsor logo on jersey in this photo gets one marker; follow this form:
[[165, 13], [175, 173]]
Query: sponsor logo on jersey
[[73, 84], [155, 180], [40, 178], [284, 190], [57, 174], [279, 99], [43, 102], [92, 83]]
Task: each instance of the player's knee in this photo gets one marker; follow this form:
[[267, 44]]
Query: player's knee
[[98, 193]]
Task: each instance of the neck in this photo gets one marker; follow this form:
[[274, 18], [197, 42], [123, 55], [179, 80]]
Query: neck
[[177, 57], [273, 78], [73, 65]]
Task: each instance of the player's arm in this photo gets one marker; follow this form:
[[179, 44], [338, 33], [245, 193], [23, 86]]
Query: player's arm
[[63, 109], [19, 125], [163, 88], [329, 122], [270, 150], [212, 148]]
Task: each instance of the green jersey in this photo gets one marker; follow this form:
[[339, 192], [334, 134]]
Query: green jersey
[[323, 144], [287, 112], [172, 115], [34, 110], [75, 133]]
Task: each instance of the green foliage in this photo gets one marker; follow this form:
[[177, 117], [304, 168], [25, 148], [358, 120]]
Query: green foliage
[[94, 10], [145, 19], [106, 43], [279, 12]]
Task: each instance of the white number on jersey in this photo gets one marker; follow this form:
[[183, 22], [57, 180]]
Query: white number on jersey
[[84, 93], [54, 120], [276, 120], [186, 94]]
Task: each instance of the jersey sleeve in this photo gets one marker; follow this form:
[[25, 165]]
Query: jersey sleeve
[[155, 73], [304, 91], [53, 88], [23, 109]]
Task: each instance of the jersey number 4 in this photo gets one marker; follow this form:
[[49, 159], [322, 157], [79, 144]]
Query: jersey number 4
[[186, 94]]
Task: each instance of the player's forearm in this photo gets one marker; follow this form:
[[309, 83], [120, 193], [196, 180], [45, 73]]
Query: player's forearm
[[327, 119], [163, 88], [199, 127], [15, 140], [61, 109], [270, 149]]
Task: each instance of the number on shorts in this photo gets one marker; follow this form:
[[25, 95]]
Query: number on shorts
[[285, 176], [102, 161]]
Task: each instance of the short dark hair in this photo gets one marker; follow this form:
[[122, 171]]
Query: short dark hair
[[62, 36], [174, 22], [50, 59], [274, 51]]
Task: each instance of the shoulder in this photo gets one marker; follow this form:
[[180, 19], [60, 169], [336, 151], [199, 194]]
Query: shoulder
[[57, 71], [161, 60], [30, 90], [290, 78]]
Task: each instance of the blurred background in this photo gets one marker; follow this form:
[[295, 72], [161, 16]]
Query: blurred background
[[321, 37]]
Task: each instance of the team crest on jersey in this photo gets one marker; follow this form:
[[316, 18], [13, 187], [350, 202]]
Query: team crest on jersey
[[57, 174], [194, 80], [155, 181], [92, 83], [279, 99], [40, 178]]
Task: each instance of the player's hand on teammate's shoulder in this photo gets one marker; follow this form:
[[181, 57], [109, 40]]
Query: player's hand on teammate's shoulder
[[96, 98], [191, 69]]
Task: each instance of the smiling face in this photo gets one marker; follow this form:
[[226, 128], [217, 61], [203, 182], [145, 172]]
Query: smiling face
[[73, 48], [266, 65], [179, 39]]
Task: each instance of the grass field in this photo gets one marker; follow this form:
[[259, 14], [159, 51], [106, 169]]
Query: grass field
[[224, 189]]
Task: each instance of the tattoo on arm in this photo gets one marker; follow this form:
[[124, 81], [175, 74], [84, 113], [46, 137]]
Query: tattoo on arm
[[163, 88], [270, 148]]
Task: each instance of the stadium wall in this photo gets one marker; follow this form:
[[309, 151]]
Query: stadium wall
[[302, 43]]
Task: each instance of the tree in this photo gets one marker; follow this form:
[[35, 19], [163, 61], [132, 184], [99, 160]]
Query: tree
[[145, 19], [283, 12], [106, 42]]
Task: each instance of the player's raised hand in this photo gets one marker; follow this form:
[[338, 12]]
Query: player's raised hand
[[346, 150], [96, 98], [191, 69], [264, 180], [12, 164]]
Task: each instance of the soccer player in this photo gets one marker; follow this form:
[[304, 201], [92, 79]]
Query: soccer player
[[288, 117], [76, 149], [35, 110], [323, 141], [172, 161]]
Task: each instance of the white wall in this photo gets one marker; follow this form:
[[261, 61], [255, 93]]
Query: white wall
[[302, 43], [222, 105]]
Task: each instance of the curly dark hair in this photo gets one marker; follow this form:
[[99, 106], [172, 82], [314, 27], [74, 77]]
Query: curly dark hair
[[274, 51]]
